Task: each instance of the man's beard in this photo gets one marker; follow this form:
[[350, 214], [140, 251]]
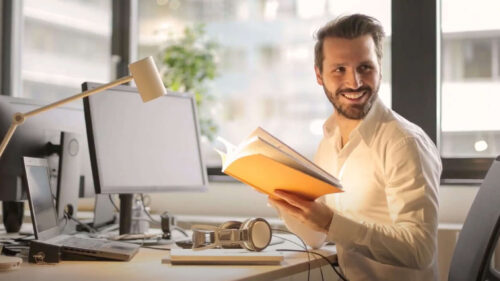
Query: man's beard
[[353, 111]]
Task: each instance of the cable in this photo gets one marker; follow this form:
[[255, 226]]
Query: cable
[[65, 218], [305, 247], [158, 222], [147, 212], [307, 251], [90, 229], [322, 256], [113, 203], [300, 246], [155, 248], [181, 231]]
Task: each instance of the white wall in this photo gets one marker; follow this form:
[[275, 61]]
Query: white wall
[[221, 199], [236, 199]]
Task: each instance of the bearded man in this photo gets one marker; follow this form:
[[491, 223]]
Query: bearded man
[[385, 222]]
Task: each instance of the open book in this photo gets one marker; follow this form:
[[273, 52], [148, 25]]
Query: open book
[[265, 163]]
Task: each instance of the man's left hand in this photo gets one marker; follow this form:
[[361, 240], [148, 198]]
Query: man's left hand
[[311, 213]]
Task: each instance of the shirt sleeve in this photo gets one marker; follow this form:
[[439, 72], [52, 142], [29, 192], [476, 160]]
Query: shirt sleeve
[[412, 170]]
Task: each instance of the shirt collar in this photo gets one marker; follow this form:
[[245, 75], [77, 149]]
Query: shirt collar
[[366, 128], [372, 121]]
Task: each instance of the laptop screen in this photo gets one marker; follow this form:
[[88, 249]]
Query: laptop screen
[[44, 212]]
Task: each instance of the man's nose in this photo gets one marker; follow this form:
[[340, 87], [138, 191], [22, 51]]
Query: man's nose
[[353, 80]]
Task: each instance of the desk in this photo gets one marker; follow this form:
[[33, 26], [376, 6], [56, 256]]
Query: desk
[[146, 265]]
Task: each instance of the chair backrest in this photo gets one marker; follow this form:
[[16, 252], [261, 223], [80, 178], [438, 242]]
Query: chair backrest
[[479, 235]]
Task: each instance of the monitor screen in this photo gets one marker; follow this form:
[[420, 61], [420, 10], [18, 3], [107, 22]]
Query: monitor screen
[[31, 138], [40, 195], [138, 147]]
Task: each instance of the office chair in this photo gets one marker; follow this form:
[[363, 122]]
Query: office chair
[[479, 236]]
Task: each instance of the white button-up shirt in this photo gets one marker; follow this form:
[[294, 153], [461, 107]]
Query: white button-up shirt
[[385, 221]]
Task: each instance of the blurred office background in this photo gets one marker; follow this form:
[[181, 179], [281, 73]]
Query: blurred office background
[[265, 61], [265, 73]]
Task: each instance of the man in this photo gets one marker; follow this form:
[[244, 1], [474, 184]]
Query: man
[[385, 222]]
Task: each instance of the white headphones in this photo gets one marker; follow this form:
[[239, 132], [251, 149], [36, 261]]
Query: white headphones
[[253, 234]]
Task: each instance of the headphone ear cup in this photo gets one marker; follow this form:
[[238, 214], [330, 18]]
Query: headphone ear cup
[[259, 234], [231, 225]]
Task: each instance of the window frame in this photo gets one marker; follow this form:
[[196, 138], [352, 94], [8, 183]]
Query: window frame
[[418, 76]]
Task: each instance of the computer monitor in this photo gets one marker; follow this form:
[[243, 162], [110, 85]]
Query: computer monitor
[[138, 147], [31, 139], [68, 181]]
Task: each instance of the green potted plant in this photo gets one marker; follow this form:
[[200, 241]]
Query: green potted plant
[[190, 63]]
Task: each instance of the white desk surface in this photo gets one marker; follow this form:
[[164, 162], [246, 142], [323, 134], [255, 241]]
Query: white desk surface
[[147, 265]]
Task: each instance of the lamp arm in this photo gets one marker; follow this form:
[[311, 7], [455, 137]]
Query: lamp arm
[[79, 96], [19, 118]]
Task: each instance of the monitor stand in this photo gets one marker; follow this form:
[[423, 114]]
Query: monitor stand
[[126, 223], [126, 201]]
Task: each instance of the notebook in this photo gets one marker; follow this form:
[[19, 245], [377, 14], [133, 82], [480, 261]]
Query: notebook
[[46, 228], [223, 256]]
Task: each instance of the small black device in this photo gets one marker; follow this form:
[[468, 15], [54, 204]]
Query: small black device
[[166, 226], [42, 253]]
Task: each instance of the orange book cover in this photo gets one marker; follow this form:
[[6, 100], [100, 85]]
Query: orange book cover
[[265, 163]]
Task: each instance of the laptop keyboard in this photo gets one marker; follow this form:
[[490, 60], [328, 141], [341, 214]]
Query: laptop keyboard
[[78, 242]]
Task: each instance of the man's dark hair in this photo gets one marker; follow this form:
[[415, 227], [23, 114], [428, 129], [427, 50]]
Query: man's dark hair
[[348, 27]]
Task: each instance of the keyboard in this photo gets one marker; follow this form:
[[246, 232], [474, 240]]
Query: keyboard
[[79, 242]]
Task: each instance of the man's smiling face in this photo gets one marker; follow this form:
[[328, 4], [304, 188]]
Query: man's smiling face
[[351, 75]]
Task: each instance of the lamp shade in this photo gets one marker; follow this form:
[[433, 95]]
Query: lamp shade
[[147, 79]]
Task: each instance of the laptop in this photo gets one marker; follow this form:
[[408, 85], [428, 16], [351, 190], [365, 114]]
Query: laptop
[[46, 228]]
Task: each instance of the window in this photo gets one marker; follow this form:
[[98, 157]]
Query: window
[[266, 60], [64, 43], [471, 82]]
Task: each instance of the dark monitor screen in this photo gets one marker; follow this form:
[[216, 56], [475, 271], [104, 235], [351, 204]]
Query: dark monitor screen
[[31, 138], [138, 147]]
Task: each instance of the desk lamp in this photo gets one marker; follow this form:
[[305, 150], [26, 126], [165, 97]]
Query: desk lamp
[[144, 73]]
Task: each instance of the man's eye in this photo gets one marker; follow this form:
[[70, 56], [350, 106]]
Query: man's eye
[[365, 67], [339, 69]]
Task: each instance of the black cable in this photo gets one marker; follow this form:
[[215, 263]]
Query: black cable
[[300, 246], [84, 225], [155, 248], [147, 212], [65, 218], [157, 222], [305, 248], [322, 256], [321, 272], [181, 231], [113, 203]]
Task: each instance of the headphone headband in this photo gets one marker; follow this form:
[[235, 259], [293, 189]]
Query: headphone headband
[[253, 234]]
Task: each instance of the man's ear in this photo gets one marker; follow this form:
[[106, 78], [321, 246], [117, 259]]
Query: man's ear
[[319, 78]]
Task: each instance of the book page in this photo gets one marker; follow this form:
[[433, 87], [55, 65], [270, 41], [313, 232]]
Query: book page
[[243, 149], [318, 171], [257, 145]]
